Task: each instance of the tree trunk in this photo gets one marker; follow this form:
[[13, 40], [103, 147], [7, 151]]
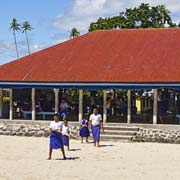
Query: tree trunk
[[16, 44], [27, 42]]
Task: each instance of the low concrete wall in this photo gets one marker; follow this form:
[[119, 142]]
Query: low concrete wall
[[146, 133], [157, 135], [152, 126], [31, 128]]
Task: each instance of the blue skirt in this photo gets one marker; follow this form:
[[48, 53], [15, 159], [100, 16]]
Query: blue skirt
[[56, 140], [65, 140], [84, 131], [96, 130], [161, 108]]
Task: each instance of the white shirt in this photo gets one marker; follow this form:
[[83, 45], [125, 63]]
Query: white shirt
[[108, 105], [65, 130], [63, 106], [56, 125], [95, 119]]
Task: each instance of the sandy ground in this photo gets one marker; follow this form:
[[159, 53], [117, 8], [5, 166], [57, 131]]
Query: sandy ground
[[24, 158]]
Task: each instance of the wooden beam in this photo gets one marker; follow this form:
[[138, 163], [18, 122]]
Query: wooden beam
[[33, 104], [10, 104], [1, 102], [56, 91], [129, 106], [80, 105], [104, 106], [155, 106]]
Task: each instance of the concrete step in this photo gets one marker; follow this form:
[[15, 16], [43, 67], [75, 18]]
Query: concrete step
[[121, 124], [117, 124], [120, 132], [121, 128], [115, 137]]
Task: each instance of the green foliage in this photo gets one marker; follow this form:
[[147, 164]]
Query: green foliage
[[6, 99], [26, 26], [143, 16], [72, 92], [74, 33], [87, 93], [15, 26]]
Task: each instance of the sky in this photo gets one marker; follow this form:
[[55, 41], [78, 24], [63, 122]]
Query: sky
[[52, 20]]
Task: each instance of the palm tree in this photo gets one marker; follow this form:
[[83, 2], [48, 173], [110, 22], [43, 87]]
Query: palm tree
[[15, 26], [26, 27], [74, 33]]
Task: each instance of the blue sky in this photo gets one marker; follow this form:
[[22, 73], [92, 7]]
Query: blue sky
[[53, 19], [40, 14]]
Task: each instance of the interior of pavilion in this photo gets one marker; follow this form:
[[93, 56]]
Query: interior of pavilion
[[116, 104]]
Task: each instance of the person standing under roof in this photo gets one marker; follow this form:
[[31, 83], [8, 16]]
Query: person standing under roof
[[64, 106]]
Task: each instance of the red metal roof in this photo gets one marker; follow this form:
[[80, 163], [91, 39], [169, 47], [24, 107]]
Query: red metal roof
[[139, 55]]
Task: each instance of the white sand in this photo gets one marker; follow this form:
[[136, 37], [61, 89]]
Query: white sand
[[23, 158]]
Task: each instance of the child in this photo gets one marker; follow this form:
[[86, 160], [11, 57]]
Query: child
[[84, 130], [65, 133], [56, 136], [96, 126]]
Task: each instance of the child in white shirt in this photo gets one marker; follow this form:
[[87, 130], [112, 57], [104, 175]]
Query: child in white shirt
[[66, 133], [56, 141]]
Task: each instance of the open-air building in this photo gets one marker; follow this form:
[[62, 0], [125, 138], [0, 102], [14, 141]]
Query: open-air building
[[134, 75]]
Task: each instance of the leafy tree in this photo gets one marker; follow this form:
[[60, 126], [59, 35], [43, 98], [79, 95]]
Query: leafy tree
[[15, 26], [26, 26], [143, 16], [74, 33]]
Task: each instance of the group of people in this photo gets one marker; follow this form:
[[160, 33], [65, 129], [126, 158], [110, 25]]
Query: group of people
[[60, 131]]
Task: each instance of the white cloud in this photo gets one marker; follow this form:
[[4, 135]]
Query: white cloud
[[6, 46], [8, 51], [36, 46], [82, 12]]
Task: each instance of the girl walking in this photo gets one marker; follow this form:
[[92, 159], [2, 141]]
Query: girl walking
[[56, 136], [96, 126], [84, 130]]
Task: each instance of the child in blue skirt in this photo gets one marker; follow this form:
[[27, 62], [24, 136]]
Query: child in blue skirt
[[66, 133], [56, 141], [96, 126], [84, 129]]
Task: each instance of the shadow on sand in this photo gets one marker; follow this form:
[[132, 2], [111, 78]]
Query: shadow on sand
[[68, 158], [106, 145], [103, 145], [75, 150]]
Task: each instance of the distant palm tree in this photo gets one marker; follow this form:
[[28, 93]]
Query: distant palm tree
[[26, 27], [15, 26], [74, 33]]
